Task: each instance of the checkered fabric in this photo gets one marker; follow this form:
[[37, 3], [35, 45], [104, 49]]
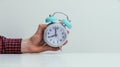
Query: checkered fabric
[[10, 46]]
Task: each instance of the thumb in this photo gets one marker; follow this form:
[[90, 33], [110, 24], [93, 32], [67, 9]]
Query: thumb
[[41, 28]]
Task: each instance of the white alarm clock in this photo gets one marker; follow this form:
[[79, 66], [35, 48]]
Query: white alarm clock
[[55, 35]]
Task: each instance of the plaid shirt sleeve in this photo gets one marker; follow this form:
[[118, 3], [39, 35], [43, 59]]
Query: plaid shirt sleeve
[[10, 46]]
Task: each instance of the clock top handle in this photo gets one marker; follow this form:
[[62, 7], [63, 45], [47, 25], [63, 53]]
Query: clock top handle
[[53, 18]]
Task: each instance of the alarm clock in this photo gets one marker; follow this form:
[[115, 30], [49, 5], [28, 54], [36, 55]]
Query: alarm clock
[[55, 35]]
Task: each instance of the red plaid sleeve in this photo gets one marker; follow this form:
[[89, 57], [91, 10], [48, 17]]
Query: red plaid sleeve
[[10, 46]]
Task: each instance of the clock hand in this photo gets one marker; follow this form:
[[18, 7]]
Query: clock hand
[[51, 36], [55, 31]]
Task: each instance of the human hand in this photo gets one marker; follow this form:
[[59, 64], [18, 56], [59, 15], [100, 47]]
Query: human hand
[[36, 43]]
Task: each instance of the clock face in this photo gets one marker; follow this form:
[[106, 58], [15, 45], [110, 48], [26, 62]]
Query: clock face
[[55, 35]]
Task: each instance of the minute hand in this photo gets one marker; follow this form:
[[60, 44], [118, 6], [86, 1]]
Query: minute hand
[[55, 31]]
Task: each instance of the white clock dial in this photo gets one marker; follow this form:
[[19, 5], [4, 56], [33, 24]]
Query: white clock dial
[[55, 35]]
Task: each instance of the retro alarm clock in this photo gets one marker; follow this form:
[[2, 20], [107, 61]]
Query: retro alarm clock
[[55, 35]]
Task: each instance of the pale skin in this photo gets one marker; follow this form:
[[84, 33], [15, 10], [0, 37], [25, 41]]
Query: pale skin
[[36, 44]]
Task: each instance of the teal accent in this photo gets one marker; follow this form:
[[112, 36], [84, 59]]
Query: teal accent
[[51, 19], [67, 23]]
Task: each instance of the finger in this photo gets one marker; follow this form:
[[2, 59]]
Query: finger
[[44, 26], [61, 23], [65, 42], [42, 43], [68, 32], [49, 48], [54, 48], [40, 29]]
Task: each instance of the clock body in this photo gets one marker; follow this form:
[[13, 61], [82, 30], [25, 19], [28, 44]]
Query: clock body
[[55, 35]]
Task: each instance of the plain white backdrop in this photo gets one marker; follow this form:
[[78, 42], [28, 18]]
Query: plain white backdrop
[[96, 23]]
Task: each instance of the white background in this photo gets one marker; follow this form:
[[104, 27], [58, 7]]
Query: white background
[[96, 23]]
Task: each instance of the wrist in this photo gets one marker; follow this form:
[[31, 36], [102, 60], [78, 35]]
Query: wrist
[[25, 46]]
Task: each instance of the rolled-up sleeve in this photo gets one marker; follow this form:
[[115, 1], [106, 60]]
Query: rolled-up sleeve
[[10, 45]]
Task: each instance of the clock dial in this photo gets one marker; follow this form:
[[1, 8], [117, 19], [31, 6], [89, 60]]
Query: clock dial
[[55, 35]]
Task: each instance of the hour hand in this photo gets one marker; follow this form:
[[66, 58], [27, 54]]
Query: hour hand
[[51, 36]]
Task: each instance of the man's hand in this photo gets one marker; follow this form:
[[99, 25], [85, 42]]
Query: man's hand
[[36, 43]]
